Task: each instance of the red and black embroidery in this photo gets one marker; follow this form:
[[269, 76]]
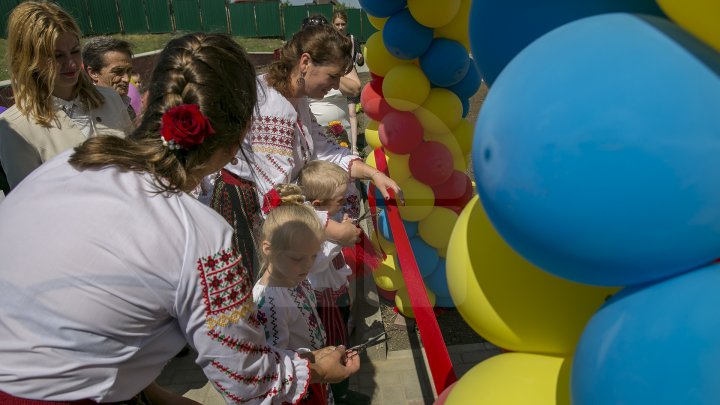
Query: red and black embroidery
[[245, 379], [237, 345]]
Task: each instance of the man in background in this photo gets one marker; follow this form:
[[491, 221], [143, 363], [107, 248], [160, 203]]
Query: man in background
[[108, 62]]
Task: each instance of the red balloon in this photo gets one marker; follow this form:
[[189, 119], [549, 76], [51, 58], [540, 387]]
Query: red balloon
[[400, 132], [454, 193], [431, 163], [373, 76], [373, 102]]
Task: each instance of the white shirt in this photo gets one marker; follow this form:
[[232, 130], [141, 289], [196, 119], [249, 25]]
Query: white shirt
[[289, 316], [103, 281]]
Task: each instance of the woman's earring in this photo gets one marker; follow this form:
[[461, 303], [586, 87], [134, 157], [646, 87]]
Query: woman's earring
[[234, 161], [301, 80]]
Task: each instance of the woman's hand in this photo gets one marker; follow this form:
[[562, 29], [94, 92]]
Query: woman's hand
[[383, 183], [332, 365]]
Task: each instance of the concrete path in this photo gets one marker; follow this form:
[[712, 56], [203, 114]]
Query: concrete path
[[401, 378]]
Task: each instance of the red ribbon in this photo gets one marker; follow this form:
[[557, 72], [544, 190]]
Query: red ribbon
[[271, 199], [438, 357]]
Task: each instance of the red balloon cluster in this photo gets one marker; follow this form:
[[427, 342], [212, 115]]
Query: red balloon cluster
[[400, 132], [431, 163], [372, 100]]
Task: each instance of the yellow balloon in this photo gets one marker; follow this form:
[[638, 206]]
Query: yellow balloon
[[406, 87], [441, 111], [403, 304], [388, 276], [372, 137], [463, 134], [457, 29], [398, 166], [700, 17], [378, 59], [509, 301], [419, 200], [447, 139], [515, 379], [377, 22], [435, 229], [433, 13], [386, 246], [370, 160]]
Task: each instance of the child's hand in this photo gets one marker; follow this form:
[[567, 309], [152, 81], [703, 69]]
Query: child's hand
[[345, 233]]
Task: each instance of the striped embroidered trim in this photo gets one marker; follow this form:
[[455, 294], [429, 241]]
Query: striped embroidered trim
[[246, 379], [234, 316], [236, 344], [272, 149]]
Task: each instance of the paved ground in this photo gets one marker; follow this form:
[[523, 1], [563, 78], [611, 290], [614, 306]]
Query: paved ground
[[401, 378]]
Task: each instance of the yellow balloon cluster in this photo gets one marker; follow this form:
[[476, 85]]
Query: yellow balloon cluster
[[403, 304], [406, 87]]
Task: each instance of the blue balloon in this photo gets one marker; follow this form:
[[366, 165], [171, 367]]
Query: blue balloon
[[586, 170], [499, 30], [444, 302], [656, 344], [469, 85], [437, 280], [383, 224], [404, 37], [411, 228], [445, 63], [425, 255], [382, 8]]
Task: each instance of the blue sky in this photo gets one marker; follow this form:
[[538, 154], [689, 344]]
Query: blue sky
[[349, 3]]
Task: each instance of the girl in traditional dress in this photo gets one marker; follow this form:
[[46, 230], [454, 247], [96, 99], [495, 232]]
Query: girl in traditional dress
[[292, 237]]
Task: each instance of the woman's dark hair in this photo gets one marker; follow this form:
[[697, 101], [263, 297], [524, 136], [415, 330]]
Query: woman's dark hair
[[317, 19], [209, 70], [325, 45]]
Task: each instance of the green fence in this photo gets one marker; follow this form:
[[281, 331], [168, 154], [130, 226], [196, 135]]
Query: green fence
[[132, 16], [214, 15], [265, 19]]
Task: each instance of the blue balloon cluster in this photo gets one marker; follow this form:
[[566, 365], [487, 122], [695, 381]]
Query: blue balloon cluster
[[404, 37], [382, 8], [445, 63], [595, 158]]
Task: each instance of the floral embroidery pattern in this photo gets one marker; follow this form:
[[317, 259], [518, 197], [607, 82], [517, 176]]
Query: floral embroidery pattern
[[236, 399], [227, 294], [273, 135]]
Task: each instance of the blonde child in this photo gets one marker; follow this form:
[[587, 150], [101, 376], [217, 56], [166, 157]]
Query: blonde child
[[291, 238], [325, 187]]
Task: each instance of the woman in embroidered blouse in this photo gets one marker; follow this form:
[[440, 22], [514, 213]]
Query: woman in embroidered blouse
[[284, 136], [132, 267], [56, 105]]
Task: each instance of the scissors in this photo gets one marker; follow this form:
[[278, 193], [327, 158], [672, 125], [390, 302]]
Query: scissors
[[383, 337], [367, 214]]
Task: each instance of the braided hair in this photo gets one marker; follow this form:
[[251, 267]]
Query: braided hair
[[209, 70]]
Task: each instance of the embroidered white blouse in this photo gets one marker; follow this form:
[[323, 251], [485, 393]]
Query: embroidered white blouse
[[281, 141], [289, 316], [104, 283]]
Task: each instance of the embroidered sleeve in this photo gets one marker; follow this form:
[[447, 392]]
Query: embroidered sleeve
[[326, 149], [275, 318], [215, 308], [272, 143]]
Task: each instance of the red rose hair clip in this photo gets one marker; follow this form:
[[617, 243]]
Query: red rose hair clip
[[184, 127], [271, 199]]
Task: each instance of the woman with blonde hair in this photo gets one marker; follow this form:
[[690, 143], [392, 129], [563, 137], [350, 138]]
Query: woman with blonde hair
[[56, 105], [285, 136], [132, 268]]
